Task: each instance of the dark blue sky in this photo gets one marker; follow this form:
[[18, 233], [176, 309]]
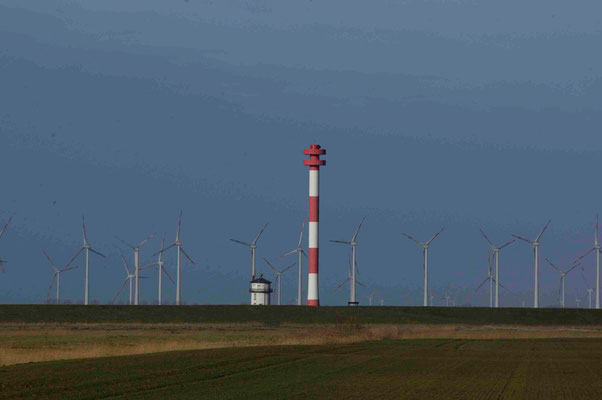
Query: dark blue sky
[[459, 113]]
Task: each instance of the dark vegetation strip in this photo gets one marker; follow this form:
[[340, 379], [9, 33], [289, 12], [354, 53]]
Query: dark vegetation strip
[[275, 315], [410, 369]]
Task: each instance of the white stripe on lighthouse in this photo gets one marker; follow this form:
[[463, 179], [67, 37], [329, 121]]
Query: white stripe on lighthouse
[[314, 182]]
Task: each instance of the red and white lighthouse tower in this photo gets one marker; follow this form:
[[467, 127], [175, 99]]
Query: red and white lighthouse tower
[[314, 152]]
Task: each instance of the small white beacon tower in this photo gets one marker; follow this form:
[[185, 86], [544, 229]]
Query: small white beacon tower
[[260, 292]]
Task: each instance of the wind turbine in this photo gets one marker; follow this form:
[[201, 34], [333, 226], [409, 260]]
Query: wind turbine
[[577, 300], [535, 244], [56, 277], [178, 244], [278, 276], [88, 248], [136, 264], [425, 265], [562, 279], [590, 290], [353, 244], [596, 248], [352, 280], [496, 254], [128, 278], [160, 263], [489, 278], [1, 234], [252, 246], [300, 252]]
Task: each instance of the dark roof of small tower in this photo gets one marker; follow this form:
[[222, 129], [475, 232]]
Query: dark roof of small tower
[[261, 279]]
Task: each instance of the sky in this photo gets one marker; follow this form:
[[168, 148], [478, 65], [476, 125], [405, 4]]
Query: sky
[[460, 114]]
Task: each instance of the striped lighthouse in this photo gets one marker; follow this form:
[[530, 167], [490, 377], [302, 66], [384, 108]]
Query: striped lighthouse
[[314, 152]]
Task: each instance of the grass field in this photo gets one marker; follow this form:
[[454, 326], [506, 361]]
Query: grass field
[[23, 343], [390, 369], [295, 314]]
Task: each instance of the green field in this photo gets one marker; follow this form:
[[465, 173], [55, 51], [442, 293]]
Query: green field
[[409, 369], [296, 314]]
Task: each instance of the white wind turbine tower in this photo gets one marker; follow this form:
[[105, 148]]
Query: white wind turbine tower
[[577, 300], [590, 289], [178, 244], [353, 244], [489, 278], [278, 276], [496, 254], [128, 278], [562, 279], [425, 265], [535, 244], [351, 278], [252, 246], [136, 264], [56, 277], [300, 253], [596, 248], [2, 232], [88, 248], [160, 263]]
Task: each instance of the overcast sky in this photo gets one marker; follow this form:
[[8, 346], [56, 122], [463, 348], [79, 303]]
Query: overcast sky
[[434, 113]]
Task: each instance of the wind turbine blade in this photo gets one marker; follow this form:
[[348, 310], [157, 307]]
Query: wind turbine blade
[[486, 238], [270, 264], [288, 254], [187, 256], [259, 234], [340, 284], [169, 276], [506, 244], [357, 268], [51, 285], [523, 239], [596, 235], [585, 255], [2, 266], [125, 262], [5, 226], [120, 290], [289, 267], [303, 252], [75, 256], [124, 242], [165, 249], [360, 283], [48, 258], [97, 253], [357, 231], [142, 243], [301, 234], [412, 239], [238, 241], [179, 226], [543, 230], [553, 266], [482, 283], [340, 241], [69, 268], [502, 286], [147, 266], [84, 230], [572, 268], [435, 236]]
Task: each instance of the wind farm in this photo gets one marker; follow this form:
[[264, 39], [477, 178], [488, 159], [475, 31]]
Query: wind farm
[[300, 200]]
